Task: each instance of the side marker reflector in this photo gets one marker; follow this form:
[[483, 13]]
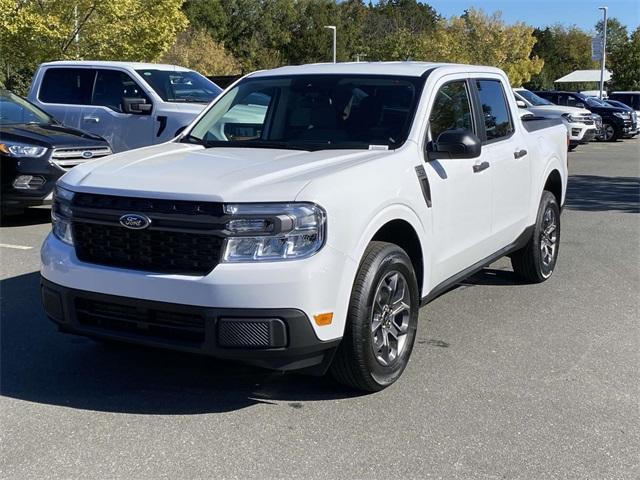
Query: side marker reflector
[[323, 319]]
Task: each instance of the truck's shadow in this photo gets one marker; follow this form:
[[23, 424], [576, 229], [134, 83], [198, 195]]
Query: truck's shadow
[[595, 193], [41, 365], [31, 216]]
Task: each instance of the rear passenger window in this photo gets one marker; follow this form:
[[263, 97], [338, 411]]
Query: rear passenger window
[[112, 86], [451, 109], [67, 85], [495, 110]]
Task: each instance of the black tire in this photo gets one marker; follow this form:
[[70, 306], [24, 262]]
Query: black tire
[[614, 136], [529, 262], [355, 363], [571, 148]]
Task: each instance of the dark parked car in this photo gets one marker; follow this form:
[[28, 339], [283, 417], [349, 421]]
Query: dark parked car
[[616, 122], [628, 98], [36, 150]]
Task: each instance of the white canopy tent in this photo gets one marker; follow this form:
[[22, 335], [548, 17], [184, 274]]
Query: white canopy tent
[[583, 76]]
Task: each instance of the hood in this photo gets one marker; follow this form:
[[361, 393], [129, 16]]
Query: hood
[[191, 172], [607, 110], [51, 136], [557, 110]]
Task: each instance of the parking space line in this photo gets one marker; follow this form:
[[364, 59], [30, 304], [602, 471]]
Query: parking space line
[[15, 247]]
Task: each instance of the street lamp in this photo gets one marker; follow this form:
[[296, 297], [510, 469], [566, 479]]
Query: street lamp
[[604, 48], [333, 28]]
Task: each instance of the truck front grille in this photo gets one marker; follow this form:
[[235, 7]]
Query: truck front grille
[[183, 238]]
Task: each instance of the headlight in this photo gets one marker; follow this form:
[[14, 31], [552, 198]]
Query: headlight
[[569, 118], [22, 150], [621, 115], [61, 214], [273, 231]]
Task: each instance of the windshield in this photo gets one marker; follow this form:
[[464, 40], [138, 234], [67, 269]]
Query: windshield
[[312, 112], [594, 102], [181, 86], [15, 110], [532, 98]]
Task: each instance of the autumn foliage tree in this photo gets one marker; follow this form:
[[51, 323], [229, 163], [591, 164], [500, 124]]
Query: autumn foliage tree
[[196, 49], [33, 31]]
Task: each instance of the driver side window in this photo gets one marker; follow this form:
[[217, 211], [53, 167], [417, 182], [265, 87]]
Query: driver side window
[[112, 86], [451, 109]]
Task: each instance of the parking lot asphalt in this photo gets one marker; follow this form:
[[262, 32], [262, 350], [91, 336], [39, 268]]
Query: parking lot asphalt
[[506, 380]]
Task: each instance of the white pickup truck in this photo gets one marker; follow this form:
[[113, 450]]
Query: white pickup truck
[[301, 221]]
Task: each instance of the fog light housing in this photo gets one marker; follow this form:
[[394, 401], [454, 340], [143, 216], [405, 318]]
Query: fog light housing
[[28, 182]]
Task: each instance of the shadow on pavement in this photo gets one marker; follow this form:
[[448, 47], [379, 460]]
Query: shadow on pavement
[[39, 364], [594, 193], [494, 277], [31, 216]]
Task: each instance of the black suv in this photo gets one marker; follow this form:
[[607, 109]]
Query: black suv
[[628, 98], [616, 122], [36, 150]]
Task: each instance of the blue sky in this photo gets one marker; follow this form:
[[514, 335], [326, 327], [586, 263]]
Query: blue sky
[[540, 13]]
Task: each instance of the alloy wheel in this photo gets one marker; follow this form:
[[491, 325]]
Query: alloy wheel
[[548, 239], [390, 318]]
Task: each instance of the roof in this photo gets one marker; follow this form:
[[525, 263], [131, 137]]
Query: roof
[[579, 76], [409, 69], [106, 64]]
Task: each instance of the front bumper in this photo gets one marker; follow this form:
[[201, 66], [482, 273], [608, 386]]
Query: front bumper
[[318, 284], [281, 339], [40, 168], [580, 133]]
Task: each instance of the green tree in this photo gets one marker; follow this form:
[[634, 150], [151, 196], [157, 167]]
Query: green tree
[[625, 64], [32, 32], [563, 51]]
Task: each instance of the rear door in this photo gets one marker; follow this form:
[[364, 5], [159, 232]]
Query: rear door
[[459, 190], [64, 91], [106, 114], [510, 167]]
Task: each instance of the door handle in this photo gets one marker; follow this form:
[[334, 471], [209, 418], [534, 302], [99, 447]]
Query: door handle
[[519, 153], [90, 119], [478, 167]]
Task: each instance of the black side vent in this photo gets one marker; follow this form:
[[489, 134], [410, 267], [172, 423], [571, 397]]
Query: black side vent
[[424, 184]]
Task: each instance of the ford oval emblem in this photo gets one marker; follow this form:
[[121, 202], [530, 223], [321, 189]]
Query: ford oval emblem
[[135, 221], [87, 154]]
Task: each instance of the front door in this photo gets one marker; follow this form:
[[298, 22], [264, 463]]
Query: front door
[[107, 115]]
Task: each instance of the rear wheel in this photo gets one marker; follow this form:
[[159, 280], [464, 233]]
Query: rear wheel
[[537, 260], [381, 322]]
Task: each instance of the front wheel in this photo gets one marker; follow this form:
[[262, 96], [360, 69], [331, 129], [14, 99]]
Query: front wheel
[[610, 134], [381, 321], [537, 260]]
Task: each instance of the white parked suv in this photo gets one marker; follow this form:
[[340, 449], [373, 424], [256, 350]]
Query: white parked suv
[[302, 220], [131, 105], [580, 122]]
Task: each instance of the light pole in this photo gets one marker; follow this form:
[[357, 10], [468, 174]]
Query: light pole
[[333, 28], [604, 48]]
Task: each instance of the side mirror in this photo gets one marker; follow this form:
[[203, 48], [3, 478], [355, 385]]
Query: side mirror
[[521, 104], [454, 144], [580, 105], [137, 106]]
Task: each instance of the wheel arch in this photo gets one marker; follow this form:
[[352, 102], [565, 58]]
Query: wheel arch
[[553, 184], [399, 224]]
